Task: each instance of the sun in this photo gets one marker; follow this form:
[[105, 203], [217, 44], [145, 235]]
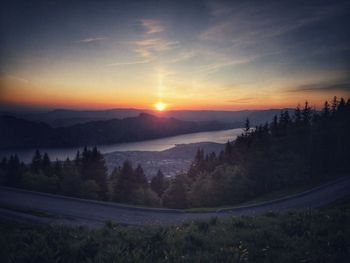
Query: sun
[[160, 106]]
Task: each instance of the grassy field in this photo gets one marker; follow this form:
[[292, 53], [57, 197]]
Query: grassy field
[[310, 236]]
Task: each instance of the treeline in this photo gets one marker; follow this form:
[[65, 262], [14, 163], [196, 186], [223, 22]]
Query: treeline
[[292, 150], [84, 177]]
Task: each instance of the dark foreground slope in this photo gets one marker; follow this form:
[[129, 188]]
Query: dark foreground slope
[[308, 236], [15, 132]]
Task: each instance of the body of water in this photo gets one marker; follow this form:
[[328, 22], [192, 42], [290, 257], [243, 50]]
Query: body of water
[[26, 155]]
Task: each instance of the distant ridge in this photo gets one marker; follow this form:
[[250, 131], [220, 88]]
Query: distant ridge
[[65, 117], [19, 133]]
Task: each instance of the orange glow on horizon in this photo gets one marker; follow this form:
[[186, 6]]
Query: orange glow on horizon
[[160, 106], [101, 104]]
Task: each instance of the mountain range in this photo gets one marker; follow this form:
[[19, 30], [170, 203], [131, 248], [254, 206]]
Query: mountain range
[[20, 133], [66, 117]]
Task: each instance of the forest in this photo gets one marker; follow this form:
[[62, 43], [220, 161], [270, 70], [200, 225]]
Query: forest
[[292, 150]]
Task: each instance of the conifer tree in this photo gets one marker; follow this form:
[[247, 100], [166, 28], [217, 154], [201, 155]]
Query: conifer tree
[[36, 162], [158, 183]]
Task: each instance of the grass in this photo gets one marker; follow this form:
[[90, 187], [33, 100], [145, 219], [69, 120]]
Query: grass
[[310, 236], [29, 211]]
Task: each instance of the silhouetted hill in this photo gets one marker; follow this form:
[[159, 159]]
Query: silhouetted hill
[[16, 132], [63, 117]]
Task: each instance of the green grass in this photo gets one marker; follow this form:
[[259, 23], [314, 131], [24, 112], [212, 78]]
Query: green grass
[[28, 211], [309, 236]]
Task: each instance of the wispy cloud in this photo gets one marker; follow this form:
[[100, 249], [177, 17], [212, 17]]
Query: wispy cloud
[[219, 64], [182, 56], [321, 87], [248, 24], [117, 64], [17, 78], [242, 100], [151, 26], [92, 39], [147, 47]]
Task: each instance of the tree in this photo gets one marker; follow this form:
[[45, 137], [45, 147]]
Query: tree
[[197, 165], [124, 186], [158, 183], [35, 166], [71, 180], [89, 190], [93, 167], [176, 195], [40, 182], [201, 189], [326, 109], [12, 171], [57, 169], [145, 196], [140, 177], [274, 126], [306, 114], [247, 126], [297, 115], [46, 165], [334, 105]]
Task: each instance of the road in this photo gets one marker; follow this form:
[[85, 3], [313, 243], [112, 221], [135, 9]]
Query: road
[[73, 211]]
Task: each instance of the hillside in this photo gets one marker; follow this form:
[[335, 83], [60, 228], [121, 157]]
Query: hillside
[[20, 133]]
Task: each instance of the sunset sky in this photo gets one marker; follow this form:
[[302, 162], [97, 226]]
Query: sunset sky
[[227, 55]]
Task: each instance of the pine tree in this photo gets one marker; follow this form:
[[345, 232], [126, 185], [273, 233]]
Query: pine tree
[[36, 162], [306, 114], [93, 167], [297, 115], [176, 195], [124, 186], [46, 165], [334, 105], [247, 126], [197, 165], [158, 183], [274, 126], [14, 171], [141, 179], [326, 109]]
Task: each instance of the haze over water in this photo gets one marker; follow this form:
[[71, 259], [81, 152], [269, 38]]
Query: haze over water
[[162, 144]]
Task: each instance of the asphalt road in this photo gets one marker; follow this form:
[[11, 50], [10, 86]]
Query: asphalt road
[[73, 211]]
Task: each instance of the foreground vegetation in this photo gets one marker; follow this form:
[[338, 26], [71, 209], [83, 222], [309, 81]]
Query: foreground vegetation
[[309, 236]]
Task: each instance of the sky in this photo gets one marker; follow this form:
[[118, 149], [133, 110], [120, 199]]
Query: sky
[[221, 55]]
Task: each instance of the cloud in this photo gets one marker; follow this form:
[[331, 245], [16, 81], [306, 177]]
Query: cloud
[[213, 67], [319, 87], [91, 39], [181, 57], [241, 100], [149, 26], [17, 78], [117, 64], [148, 47], [249, 24]]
